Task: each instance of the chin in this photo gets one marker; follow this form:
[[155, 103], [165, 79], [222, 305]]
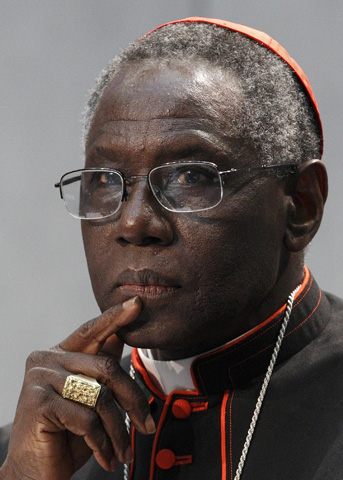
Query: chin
[[169, 344], [145, 337], [151, 335]]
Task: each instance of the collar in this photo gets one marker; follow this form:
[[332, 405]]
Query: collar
[[171, 375], [168, 375], [240, 361]]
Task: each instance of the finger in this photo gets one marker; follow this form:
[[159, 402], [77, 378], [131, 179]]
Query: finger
[[127, 394], [53, 366], [102, 428], [91, 336], [114, 425], [108, 372], [51, 415], [84, 422]]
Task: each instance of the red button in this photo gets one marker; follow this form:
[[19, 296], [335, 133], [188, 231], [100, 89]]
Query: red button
[[181, 409], [165, 459]]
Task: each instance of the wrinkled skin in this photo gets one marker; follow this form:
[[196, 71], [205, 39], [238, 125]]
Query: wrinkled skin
[[226, 262], [196, 280]]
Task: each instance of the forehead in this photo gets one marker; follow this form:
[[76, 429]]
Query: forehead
[[151, 104]]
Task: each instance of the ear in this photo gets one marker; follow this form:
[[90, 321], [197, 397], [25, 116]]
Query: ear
[[307, 198]]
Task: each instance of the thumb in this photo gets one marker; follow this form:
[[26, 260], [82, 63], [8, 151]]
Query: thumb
[[93, 335]]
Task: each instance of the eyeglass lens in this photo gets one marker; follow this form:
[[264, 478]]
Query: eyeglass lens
[[183, 187], [92, 194], [186, 187]]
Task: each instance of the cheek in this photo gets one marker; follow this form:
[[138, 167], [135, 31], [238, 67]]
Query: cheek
[[228, 260], [95, 247], [237, 258]]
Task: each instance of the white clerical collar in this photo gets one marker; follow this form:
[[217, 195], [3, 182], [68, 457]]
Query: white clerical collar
[[170, 375]]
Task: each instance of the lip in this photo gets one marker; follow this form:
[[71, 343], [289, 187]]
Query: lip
[[146, 283]]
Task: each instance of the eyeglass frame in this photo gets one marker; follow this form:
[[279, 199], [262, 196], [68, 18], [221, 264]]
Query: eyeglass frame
[[126, 181]]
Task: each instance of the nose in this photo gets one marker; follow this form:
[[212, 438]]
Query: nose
[[142, 221]]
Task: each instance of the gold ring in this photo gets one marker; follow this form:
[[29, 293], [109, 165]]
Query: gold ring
[[82, 389]]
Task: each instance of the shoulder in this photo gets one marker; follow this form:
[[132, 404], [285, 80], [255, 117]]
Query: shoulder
[[335, 302], [334, 332], [322, 358]]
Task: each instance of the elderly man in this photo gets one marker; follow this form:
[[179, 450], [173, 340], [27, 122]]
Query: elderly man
[[202, 188]]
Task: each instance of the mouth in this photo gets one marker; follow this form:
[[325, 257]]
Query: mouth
[[146, 283]]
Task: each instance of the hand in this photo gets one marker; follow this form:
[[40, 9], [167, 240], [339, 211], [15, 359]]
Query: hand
[[53, 437]]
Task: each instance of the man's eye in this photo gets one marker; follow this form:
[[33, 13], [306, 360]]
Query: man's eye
[[105, 178], [191, 176]]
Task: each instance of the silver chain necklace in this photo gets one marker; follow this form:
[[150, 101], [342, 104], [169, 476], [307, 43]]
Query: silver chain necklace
[[128, 426], [259, 399]]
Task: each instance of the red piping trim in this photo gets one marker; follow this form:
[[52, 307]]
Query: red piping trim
[[138, 365], [308, 288], [265, 40], [199, 406], [157, 436], [223, 433], [183, 460], [254, 330], [230, 425], [310, 315], [269, 319], [286, 335], [133, 442]]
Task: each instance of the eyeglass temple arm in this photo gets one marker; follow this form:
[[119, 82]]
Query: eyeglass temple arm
[[291, 166], [67, 182]]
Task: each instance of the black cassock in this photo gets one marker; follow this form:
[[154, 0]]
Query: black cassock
[[299, 433]]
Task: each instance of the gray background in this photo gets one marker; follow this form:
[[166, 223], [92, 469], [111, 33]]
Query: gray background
[[50, 53]]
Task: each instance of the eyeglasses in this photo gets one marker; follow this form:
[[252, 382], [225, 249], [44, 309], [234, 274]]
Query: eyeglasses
[[194, 186]]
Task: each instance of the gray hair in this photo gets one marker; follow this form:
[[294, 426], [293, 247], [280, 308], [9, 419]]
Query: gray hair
[[281, 124]]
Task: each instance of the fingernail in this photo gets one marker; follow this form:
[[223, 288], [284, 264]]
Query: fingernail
[[128, 455], [131, 302], [149, 424], [113, 464]]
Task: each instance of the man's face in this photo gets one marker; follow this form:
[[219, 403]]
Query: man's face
[[201, 276]]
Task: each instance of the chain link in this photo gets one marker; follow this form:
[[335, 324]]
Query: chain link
[[128, 428], [265, 385]]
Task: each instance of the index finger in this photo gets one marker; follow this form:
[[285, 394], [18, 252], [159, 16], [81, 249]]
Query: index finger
[[91, 336]]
